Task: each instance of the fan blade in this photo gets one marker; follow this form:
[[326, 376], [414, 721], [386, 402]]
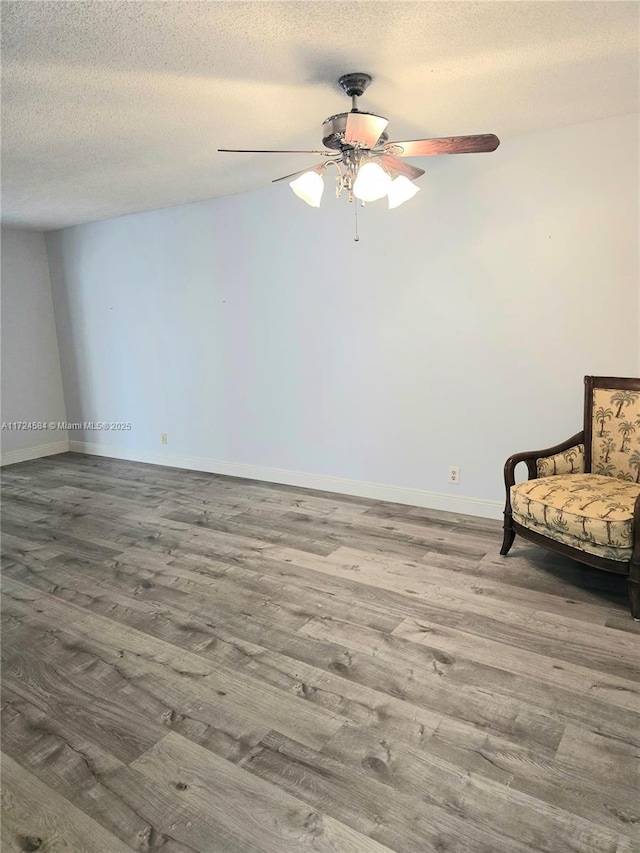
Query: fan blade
[[269, 151], [394, 164], [446, 145], [295, 174], [364, 128]]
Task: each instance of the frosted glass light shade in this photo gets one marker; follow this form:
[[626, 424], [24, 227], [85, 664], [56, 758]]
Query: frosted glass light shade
[[401, 190], [371, 183], [309, 187]]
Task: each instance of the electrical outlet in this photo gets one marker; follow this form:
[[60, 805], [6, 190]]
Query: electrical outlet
[[163, 438], [454, 475]]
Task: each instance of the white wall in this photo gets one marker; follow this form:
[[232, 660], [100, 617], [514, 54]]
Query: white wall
[[255, 331], [31, 378]]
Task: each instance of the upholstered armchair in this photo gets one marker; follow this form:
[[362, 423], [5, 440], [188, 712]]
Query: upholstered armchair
[[582, 497]]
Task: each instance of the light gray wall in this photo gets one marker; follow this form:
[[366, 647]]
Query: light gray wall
[[254, 330], [31, 378]]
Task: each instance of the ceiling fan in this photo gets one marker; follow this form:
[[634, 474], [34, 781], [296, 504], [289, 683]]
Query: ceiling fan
[[369, 166]]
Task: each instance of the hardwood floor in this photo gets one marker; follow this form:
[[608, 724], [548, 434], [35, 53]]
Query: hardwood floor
[[198, 663]]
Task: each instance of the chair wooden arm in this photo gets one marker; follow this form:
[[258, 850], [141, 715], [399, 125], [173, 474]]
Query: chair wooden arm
[[531, 457]]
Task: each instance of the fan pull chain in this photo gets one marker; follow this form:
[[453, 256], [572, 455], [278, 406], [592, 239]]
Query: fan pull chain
[[356, 238]]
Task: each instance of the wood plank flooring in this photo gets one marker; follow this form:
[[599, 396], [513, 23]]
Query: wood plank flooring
[[193, 662]]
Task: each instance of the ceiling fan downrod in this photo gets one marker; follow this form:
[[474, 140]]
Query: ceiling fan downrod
[[354, 85]]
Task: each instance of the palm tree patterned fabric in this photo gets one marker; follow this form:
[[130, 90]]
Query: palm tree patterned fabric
[[570, 461], [586, 511], [615, 443]]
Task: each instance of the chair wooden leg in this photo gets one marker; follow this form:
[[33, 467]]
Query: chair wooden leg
[[509, 535], [634, 598], [634, 585]]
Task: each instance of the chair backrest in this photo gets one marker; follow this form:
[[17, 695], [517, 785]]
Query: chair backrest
[[612, 427]]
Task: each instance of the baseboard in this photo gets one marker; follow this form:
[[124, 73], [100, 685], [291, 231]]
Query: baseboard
[[24, 455], [341, 485]]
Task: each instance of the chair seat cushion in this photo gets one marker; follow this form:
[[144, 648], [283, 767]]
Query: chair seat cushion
[[586, 511]]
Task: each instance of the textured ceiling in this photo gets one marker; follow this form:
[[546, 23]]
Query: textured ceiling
[[116, 107]]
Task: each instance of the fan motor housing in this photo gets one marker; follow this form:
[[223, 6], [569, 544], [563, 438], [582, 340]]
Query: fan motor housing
[[333, 129]]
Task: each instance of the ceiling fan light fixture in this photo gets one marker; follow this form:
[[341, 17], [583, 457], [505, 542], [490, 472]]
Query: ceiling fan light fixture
[[371, 183], [309, 187], [401, 190], [369, 166]]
